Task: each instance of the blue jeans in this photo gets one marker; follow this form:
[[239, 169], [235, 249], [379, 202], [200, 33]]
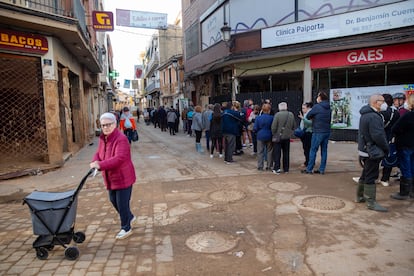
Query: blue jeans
[[318, 139], [128, 134], [406, 159], [207, 133], [120, 200]]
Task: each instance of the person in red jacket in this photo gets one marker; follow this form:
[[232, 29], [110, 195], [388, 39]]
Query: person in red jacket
[[113, 159], [127, 123]]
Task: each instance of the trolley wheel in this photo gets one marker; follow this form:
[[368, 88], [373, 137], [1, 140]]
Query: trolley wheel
[[79, 237], [41, 253], [71, 253]]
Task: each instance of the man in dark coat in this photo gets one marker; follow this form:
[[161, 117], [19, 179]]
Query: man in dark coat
[[320, 115], [371, 134]]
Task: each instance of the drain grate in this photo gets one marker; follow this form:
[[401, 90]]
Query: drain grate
[[227, 196], [211, 242], [322, 203]]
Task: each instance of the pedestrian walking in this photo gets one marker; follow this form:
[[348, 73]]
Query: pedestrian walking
[[127, 123], [113, 159], [372, 147]]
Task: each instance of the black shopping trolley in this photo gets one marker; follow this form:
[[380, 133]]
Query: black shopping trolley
[[53, 218]]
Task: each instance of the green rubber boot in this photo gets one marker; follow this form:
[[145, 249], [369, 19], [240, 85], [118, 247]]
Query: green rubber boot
[[360, 193], [370, 191]]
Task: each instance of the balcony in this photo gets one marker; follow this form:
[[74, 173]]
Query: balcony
[[65, 20]]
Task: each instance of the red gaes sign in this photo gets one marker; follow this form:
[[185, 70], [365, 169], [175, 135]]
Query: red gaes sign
[[363, 56]]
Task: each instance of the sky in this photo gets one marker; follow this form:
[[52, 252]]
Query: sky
[[129, 42]]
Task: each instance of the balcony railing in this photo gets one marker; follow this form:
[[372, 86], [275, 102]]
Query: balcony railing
[[72, 9]]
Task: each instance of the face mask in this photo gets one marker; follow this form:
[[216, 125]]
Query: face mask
[[405, 105], [384, 106]]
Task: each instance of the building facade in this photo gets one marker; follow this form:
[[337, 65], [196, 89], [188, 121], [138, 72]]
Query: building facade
[[290, 51], [161, 80], [51, 85]]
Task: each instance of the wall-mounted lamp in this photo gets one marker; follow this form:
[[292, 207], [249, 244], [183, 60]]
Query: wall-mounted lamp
[[226, 35], [174, 63]]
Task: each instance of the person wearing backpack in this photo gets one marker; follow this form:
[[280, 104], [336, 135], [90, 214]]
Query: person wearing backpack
[[127, 123]]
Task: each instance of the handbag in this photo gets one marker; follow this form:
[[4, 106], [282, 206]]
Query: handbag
[[299, 132], [391, 160], [374, 152], [277, 136], [135, 136]]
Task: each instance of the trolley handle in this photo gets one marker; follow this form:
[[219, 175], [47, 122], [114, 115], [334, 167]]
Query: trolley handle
[[92, 172]]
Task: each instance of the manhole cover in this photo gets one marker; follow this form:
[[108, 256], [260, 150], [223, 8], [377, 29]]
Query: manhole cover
[[322, 203], [284, 186], [227, 195], [211, 242]]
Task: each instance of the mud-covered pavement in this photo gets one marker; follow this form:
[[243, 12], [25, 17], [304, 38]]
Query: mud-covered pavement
[[198, 216]]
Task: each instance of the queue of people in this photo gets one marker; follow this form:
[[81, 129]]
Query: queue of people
[[384, 121]]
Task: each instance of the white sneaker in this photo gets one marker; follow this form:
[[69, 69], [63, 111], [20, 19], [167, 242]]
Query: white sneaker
[[211, 156], [123, 234], [220, 155], [385, 183], [355, 179]]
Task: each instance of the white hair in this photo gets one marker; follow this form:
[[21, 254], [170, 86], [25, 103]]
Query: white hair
[[108, 116], [282, 106]]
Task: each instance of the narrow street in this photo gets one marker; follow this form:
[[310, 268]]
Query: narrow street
[[199, 216]]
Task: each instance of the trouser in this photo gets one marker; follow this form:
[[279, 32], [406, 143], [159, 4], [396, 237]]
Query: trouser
[[264, 152], [230, 146], [120, 200], [283, 147], [370, 171], [189, 123], [128, 134], [216, 142], [254, 138], [207, 133], [198, 134], [171, 127], [306, 144]]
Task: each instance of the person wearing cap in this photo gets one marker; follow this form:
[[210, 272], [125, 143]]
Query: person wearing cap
[[113, 159], [399, 102], [403, 130], [127, 123]]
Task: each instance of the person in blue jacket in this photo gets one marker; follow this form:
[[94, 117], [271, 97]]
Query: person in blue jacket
[[263, 130], [321, 124], [231, 120]]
